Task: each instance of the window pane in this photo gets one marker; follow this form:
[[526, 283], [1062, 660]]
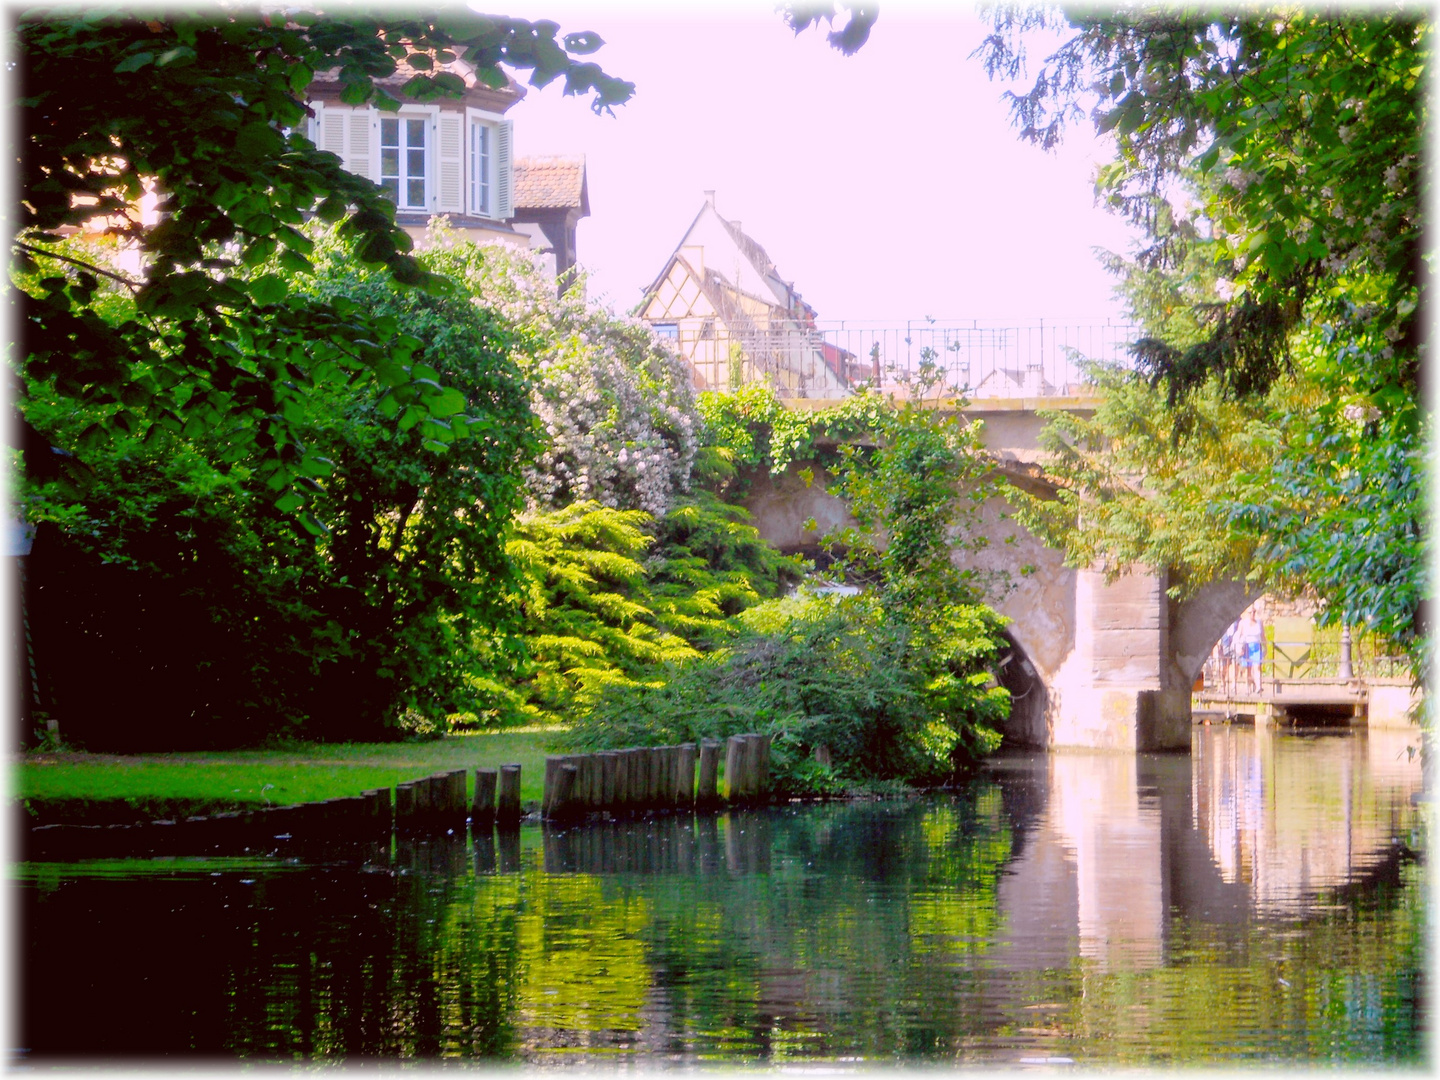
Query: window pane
[[415, 192], [415, 162], [480, 168], [389, 162], [415, 132], [391, 188], [389, 132]]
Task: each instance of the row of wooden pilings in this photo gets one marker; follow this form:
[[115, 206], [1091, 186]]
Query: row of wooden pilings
[[437, 803], [656, 778], [613, 782]]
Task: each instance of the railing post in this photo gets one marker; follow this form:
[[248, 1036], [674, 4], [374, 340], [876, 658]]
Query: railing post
[[1346, 669]]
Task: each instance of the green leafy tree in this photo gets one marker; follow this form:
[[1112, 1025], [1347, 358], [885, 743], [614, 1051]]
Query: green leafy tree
[[1298, 138], [1304, 131], [335, 638], [206, 109], [417, 507]]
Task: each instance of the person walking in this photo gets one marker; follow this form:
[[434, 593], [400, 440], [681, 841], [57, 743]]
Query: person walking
[[1251, 636], [1228, 661]]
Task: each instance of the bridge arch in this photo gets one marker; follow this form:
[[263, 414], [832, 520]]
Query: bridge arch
[[1029, 698], [1115, 660]]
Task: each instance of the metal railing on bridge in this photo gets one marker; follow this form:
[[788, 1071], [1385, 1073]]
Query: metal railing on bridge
[[983, 359]]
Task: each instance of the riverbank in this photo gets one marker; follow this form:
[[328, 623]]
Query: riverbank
[[69, 787]]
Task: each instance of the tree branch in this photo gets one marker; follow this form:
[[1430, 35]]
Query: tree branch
[[82, 264]]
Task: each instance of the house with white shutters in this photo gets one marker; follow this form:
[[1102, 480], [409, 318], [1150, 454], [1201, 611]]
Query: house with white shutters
[[449, 156], [723, 305]]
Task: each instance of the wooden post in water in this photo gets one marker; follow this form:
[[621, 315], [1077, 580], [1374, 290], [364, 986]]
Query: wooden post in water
[[757, 756], [639, 777], [482, 808], [664, 778], [685, 779], [619, 804], [661, 778], [420, 808], [608, 762], [735, 768], [762, 787], [625, 781], [587, 777], [404, 806], [456, 811], [709, 768], [552, 770], [562, 803], [507, 808]]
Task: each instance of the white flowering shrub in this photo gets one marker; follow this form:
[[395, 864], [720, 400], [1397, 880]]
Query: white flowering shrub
[[618, 409]]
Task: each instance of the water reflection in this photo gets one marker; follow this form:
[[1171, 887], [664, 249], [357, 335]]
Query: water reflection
[[1291, 817], [1247, 903]]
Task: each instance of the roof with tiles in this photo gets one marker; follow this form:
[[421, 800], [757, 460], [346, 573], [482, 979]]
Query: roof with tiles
[[327, 85], [544, 182]]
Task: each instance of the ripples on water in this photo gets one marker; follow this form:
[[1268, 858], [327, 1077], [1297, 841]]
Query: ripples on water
[[1258, 901]]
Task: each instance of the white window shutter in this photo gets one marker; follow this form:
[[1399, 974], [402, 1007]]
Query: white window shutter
[[361, 144], [450, 163], [504, 178], [332, 131]]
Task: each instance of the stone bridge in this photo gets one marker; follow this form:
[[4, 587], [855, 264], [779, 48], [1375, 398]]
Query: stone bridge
[[1094, 665]]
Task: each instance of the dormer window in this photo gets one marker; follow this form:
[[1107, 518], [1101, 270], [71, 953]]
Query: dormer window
[[403, 158]]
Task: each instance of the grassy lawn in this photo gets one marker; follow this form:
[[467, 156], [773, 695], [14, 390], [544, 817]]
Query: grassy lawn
[[72, 786]]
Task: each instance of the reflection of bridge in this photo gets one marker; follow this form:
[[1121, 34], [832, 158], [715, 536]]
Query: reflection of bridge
[[1105, 665], [1118, 845]]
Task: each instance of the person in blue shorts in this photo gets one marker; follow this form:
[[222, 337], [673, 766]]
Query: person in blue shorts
[[1251, 638]]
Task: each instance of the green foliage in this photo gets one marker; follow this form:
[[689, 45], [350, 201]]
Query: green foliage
[[1303, 131], [916, 497], [611, 598], [346, 634], [813, 672], [1294, 282], [584, 601], [205, 108], [618, 409], [1132, 490], [708, 564], [748, 428]]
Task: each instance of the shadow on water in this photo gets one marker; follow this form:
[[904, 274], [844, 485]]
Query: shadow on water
[[1258, 901]]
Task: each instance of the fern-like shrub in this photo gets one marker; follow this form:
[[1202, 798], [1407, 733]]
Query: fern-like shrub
[[612, 599]]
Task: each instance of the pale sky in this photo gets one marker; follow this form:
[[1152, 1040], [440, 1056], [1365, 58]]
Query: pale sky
[[886, 185]]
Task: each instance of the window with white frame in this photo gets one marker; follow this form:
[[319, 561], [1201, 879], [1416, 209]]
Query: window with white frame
[[425, 158], [404, 160], [480, 194]]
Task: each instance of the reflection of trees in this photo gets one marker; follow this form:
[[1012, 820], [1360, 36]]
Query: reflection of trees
[[873, 929]]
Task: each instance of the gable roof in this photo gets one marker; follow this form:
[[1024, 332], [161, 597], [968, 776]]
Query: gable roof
[[552, 181], [779, 292]]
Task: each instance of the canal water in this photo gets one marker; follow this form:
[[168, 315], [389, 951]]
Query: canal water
[[1263, 900]]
